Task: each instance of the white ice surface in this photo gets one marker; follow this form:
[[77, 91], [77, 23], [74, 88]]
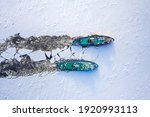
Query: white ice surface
[[124, 66]]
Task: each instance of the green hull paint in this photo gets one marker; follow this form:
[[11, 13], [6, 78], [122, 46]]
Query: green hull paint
[[76, 65], [93, 40]]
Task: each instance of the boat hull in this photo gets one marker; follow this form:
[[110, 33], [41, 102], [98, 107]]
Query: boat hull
[[93, 40], [76, 65]]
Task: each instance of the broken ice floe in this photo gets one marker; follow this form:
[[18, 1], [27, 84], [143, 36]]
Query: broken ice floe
[[16, 58], [44, 43]]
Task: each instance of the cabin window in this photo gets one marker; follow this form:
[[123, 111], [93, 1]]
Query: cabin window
[[92, 39]]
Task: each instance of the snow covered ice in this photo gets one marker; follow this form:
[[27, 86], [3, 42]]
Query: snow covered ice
[[124, 67]]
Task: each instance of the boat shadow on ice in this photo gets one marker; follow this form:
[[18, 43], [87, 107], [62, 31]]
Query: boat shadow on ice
[[107, 55], [102, 55], [87, 79]]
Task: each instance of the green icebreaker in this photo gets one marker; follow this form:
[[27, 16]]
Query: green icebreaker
[[93, 40], [76, 65]]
